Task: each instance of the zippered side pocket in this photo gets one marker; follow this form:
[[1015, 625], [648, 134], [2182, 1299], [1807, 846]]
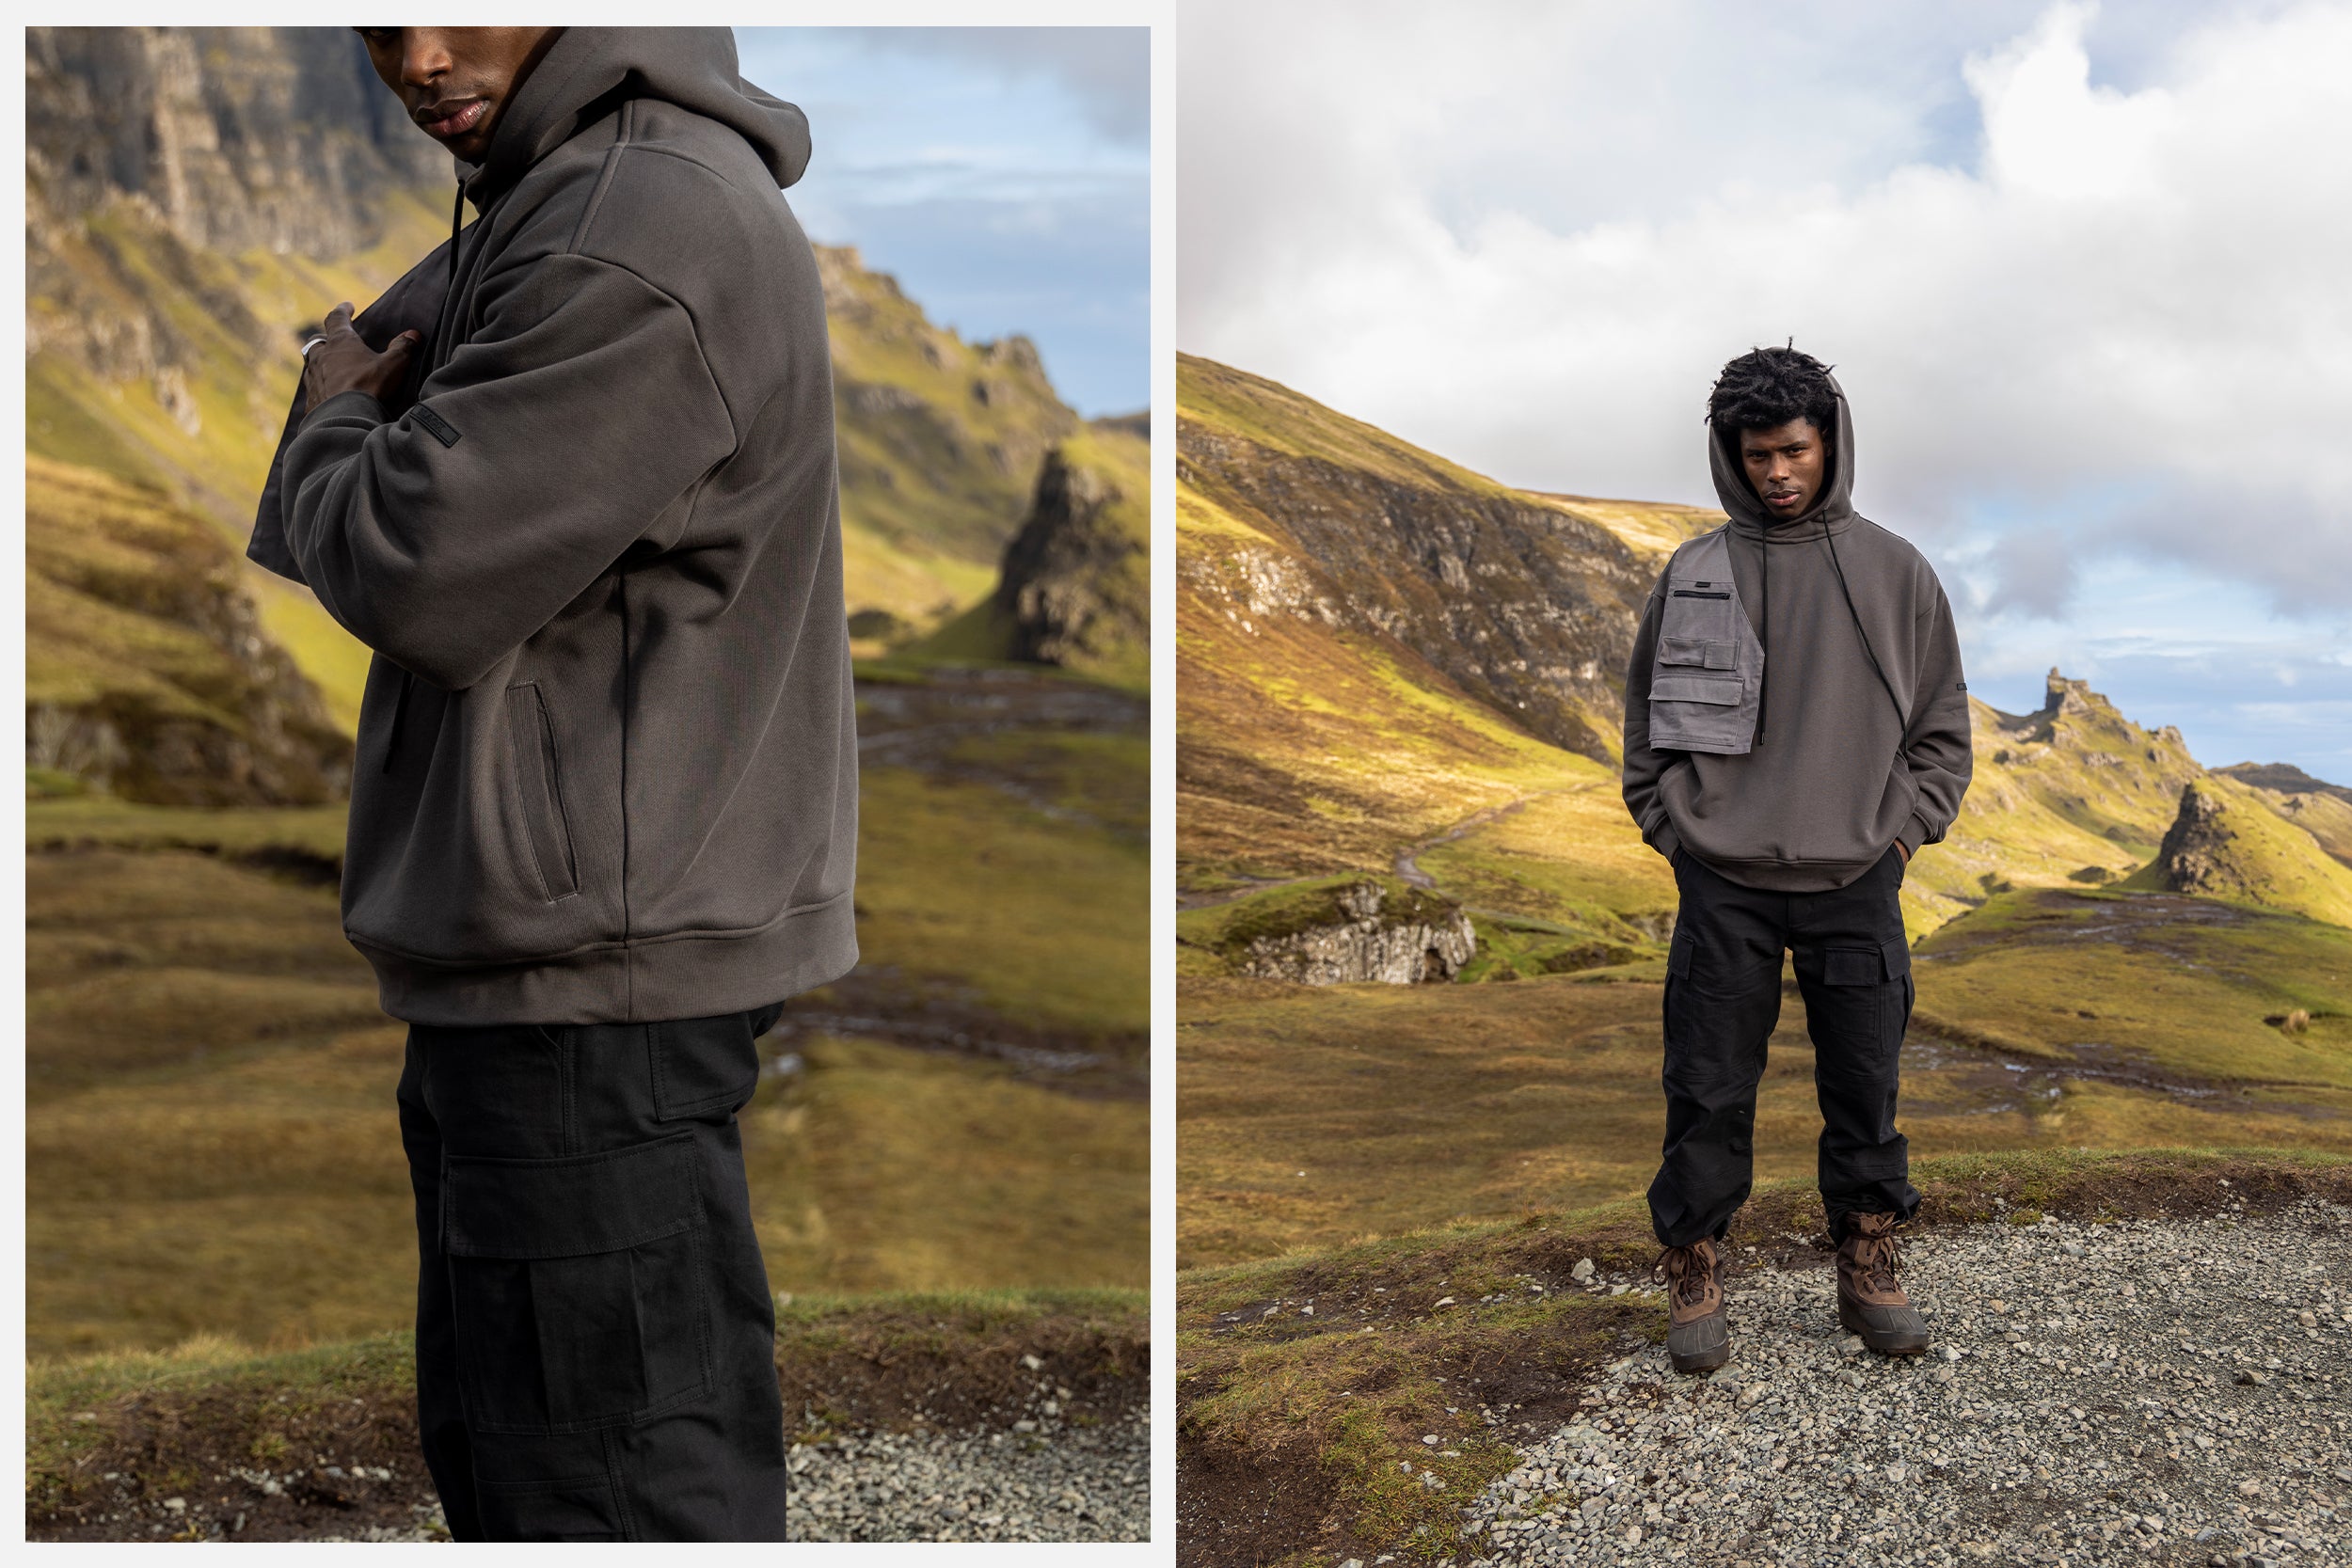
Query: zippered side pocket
[[538, 782]]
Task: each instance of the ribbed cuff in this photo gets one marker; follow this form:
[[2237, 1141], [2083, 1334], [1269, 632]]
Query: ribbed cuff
[[355, 403], [1667, 841], [1913, 834]]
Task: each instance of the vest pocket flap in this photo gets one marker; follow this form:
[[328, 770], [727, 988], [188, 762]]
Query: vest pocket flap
[[1696, 689], [1705, 652], [568, 1208]]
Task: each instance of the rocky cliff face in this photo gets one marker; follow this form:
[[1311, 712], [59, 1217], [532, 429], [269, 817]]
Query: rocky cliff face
[[1527, 605], [222, 139], [1077, 584], [147, 671]]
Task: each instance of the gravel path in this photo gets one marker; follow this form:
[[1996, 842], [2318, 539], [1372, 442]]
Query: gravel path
[[1056, 1482], [2165, 1391]]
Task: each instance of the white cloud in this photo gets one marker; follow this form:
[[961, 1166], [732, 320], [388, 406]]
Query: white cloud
[[2080, 318]]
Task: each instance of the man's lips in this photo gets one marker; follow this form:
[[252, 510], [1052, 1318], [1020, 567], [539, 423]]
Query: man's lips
[[453, 119]]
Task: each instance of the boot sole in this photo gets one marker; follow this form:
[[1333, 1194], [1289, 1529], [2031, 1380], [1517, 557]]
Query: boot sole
[[1705, 1361], [1885, 1344]]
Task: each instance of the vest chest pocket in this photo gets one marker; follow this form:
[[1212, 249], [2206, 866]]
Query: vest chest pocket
[[1707, 674], [1698, 609]]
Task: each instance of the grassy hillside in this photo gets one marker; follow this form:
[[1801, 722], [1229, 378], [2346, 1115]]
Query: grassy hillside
[[940, 442], [147, 671], [2231, 841], [211, 1146]]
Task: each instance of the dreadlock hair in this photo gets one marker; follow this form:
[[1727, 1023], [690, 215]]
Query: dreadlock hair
[[1766, 388]]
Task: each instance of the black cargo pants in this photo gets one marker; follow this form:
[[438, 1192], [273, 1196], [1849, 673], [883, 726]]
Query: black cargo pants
[[1722, 1000], [595, 1343]]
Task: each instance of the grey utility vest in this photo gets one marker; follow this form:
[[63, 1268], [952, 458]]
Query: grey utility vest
[[1707, 679]]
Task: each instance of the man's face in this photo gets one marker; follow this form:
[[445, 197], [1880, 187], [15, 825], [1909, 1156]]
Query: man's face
[[1785, 466], [453, 81]]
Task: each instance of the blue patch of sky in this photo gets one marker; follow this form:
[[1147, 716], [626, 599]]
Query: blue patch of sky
[[1002, 174], [2168, 645]]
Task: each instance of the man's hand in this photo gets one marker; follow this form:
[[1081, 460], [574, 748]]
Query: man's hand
[[342, 362], [1900, 851]]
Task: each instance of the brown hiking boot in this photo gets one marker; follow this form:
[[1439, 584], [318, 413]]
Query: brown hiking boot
[[1698, 1331], [1870, 1300]]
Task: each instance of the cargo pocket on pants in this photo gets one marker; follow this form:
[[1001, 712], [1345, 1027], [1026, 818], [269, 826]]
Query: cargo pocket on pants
[[578, 1287], [579, 1509]]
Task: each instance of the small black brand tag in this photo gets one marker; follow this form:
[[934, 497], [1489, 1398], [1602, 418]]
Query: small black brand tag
[[1960, 685], [435, 426]]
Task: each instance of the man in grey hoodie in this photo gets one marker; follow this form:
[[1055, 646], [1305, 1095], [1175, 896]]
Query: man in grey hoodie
[[1796, 726], [573, 480]]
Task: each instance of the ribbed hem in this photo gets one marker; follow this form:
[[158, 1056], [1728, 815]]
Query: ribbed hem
[[643, 982], [1790, 875]]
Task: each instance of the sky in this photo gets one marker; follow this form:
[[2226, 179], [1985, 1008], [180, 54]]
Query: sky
[[1002, 173], [2080, 270]]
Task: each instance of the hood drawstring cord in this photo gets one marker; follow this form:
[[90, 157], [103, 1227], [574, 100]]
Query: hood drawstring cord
[[1902, 719], [449, 291], [1764, 682]]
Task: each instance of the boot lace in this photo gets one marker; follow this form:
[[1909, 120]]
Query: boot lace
[[1687, 1277], [1875, 1257]]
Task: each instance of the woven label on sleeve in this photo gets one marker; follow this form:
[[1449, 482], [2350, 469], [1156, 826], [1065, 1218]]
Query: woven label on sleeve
[[435, 426]]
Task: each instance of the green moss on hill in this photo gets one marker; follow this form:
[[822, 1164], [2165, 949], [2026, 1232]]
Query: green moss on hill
[[2228, 842]]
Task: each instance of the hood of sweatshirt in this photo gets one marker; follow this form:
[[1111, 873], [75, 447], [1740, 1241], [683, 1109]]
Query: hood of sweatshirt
[[586, 66], [1831, 510]]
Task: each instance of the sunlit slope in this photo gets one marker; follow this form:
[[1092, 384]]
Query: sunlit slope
[[2228, 842], [147, 672], [199, 353], [940, 442], [1344, 691], [2321, 809], [1519, 600]]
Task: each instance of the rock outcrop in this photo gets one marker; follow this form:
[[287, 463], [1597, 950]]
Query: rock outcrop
[[1077, 584], [147, 671], [2228, 843], [940, 443], [1368, 930]]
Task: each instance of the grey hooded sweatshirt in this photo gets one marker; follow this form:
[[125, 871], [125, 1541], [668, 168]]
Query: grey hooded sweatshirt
[[1840, 764], [607, 765]]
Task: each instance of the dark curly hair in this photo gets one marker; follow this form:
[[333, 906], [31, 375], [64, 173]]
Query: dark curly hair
[[1769, 387]]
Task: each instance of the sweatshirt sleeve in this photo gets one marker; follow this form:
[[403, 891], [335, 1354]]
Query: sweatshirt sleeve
[[1936, 746], [1645, 768], [547, 444]]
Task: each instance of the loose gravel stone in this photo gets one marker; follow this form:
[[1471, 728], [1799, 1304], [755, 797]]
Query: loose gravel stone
[[1057, 1484], [2161, 1391]]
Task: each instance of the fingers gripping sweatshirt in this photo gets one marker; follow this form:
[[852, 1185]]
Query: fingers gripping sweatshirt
[[1840, 763], [607, 764]]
